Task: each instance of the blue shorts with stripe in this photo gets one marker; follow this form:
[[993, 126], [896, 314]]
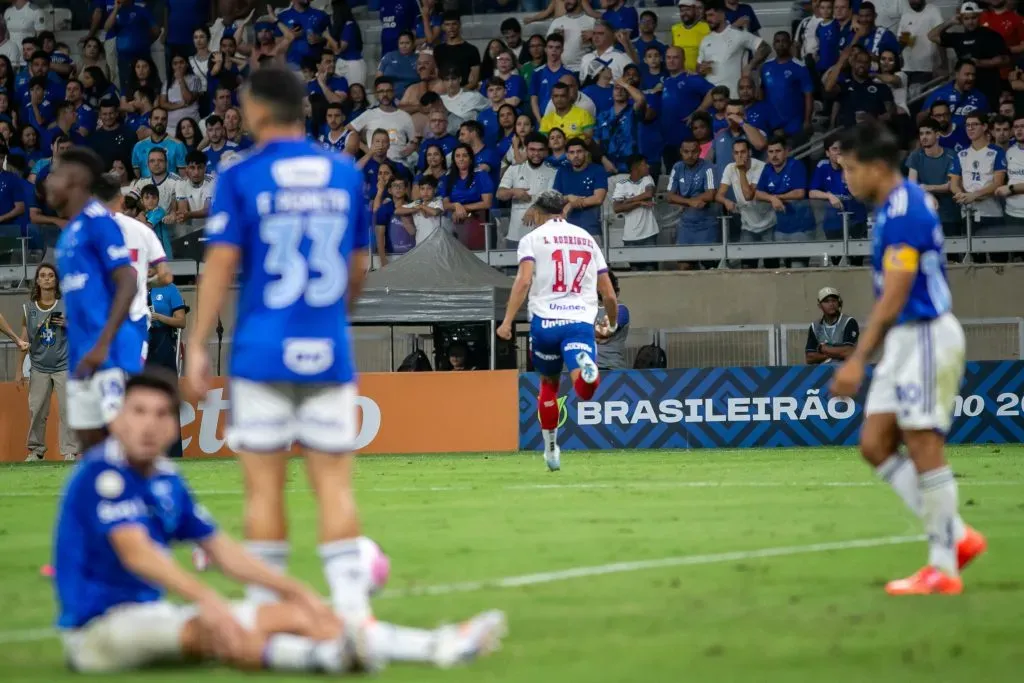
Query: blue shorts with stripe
[[556, 342]]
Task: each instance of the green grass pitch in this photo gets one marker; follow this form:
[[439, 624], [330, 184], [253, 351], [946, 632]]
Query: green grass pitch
[[758, 583]]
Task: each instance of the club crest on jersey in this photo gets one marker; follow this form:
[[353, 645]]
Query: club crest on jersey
[[73, 282], [110, 484]]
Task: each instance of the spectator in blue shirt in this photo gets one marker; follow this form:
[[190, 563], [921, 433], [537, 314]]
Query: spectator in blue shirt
[[467, 196], [39, 67], [488, 118], [87, 116], [437, 129], [873, 38], [158, 137], [741, 16], [219, 146], [396, 17], [951, 136], [183, 17], [585, 186], [618, 127], [346, 40], [691, 185], [516, 90], [759, 113], [309, 25], [485, 159], [37, 110], [783, 184], [65, 124], [12, 200], [546, 77], [134, 28], [621, 17], [682, 95], [960, 95], [647, 38], [788, 88], [828, 184], [400, 65]]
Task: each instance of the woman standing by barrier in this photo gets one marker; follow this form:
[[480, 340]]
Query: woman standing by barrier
[[44, 326]]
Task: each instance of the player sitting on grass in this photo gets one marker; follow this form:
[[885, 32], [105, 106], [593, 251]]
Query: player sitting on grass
[[562, 268], [126, 503], [913, 389]]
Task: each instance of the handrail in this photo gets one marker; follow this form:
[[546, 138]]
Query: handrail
[[805, 149]]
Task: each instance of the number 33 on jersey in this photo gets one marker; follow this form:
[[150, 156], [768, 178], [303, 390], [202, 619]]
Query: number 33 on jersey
[[296, 214]]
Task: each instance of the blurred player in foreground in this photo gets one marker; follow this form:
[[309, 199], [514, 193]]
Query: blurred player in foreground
[[292, 218], [145, 251], [125, 504], [913, 388], [99, 285], [562, 268]]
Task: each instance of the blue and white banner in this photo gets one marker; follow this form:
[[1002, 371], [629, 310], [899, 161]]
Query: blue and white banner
[[753, 407]]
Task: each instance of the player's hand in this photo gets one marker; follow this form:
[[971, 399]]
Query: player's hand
[[227, 635], [318, 611], [90, 361], [197, 371], [848, 378], [505, 331]]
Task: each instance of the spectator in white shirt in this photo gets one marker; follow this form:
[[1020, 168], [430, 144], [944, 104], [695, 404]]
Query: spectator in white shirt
[[757, 219], [920, 55], [196, 189], [1013, 191], [575, 27], [522, 183], [978, 170], [8, 47], [605, 56], [169, 186], [23, 19], [427, 210], [386, 116], [722, 52], [634, 197], [465, 104]]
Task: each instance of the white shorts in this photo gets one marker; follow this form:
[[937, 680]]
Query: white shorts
[[94, 402], [271, 417], [919, 375], [136, 635]]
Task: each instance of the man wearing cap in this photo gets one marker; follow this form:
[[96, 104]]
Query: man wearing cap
[[833, 337], [982, 45], [687, 34]]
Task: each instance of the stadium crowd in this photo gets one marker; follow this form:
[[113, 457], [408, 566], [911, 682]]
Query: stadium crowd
[[596, 106]]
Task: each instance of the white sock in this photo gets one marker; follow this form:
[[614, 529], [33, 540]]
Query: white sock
[[550, 439], [401, 643], [287, 652], [939, 499], [898, 471], [273, 553], [347, 578]]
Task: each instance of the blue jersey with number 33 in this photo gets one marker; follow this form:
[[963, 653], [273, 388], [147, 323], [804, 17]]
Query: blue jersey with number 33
[[908, 237], [296, 213]]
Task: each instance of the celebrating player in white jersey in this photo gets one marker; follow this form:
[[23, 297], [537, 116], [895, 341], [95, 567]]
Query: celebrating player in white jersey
[[291, 217], [125, 505], [146, 254], [562, 268], [914, 387]]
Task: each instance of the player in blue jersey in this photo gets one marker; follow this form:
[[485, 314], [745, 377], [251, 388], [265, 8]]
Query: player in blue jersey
[[99, 284], [914, 386], [125, 505], [292, 217], [562, 269]]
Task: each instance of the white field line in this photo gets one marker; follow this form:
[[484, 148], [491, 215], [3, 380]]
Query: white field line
[[38, 634], [642, 485]]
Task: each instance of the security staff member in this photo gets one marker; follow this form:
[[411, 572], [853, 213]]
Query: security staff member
[[167, 320], [833, 337]]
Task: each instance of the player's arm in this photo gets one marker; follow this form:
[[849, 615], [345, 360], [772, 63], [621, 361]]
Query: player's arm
[[900, 263], [812, 350], [145, 559], [520, 288], [609, 299], [844, 350]]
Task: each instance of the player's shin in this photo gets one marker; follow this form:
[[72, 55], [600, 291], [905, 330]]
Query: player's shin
[[273, 553], [898, 472], [585, 390], [941, 520], [287, 652], [401, 643], [346, 572], [547, 412]]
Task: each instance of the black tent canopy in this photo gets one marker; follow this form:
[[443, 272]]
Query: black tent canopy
[[437, 281]]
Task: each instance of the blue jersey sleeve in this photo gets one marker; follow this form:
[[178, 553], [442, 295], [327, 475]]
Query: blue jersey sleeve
[[174, 299], [442, 186], [623, 315], [384, 214], [224, 225], [560, 181], [1000, 163], [108, 501], [486, 185], [195, 523], [954, 168], [762, 182], [819, 180]]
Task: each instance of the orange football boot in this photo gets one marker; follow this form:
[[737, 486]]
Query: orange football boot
[[928, 581], [970, 546]]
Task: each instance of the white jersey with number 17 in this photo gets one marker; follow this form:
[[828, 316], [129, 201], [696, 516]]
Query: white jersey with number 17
[[567, 263]]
